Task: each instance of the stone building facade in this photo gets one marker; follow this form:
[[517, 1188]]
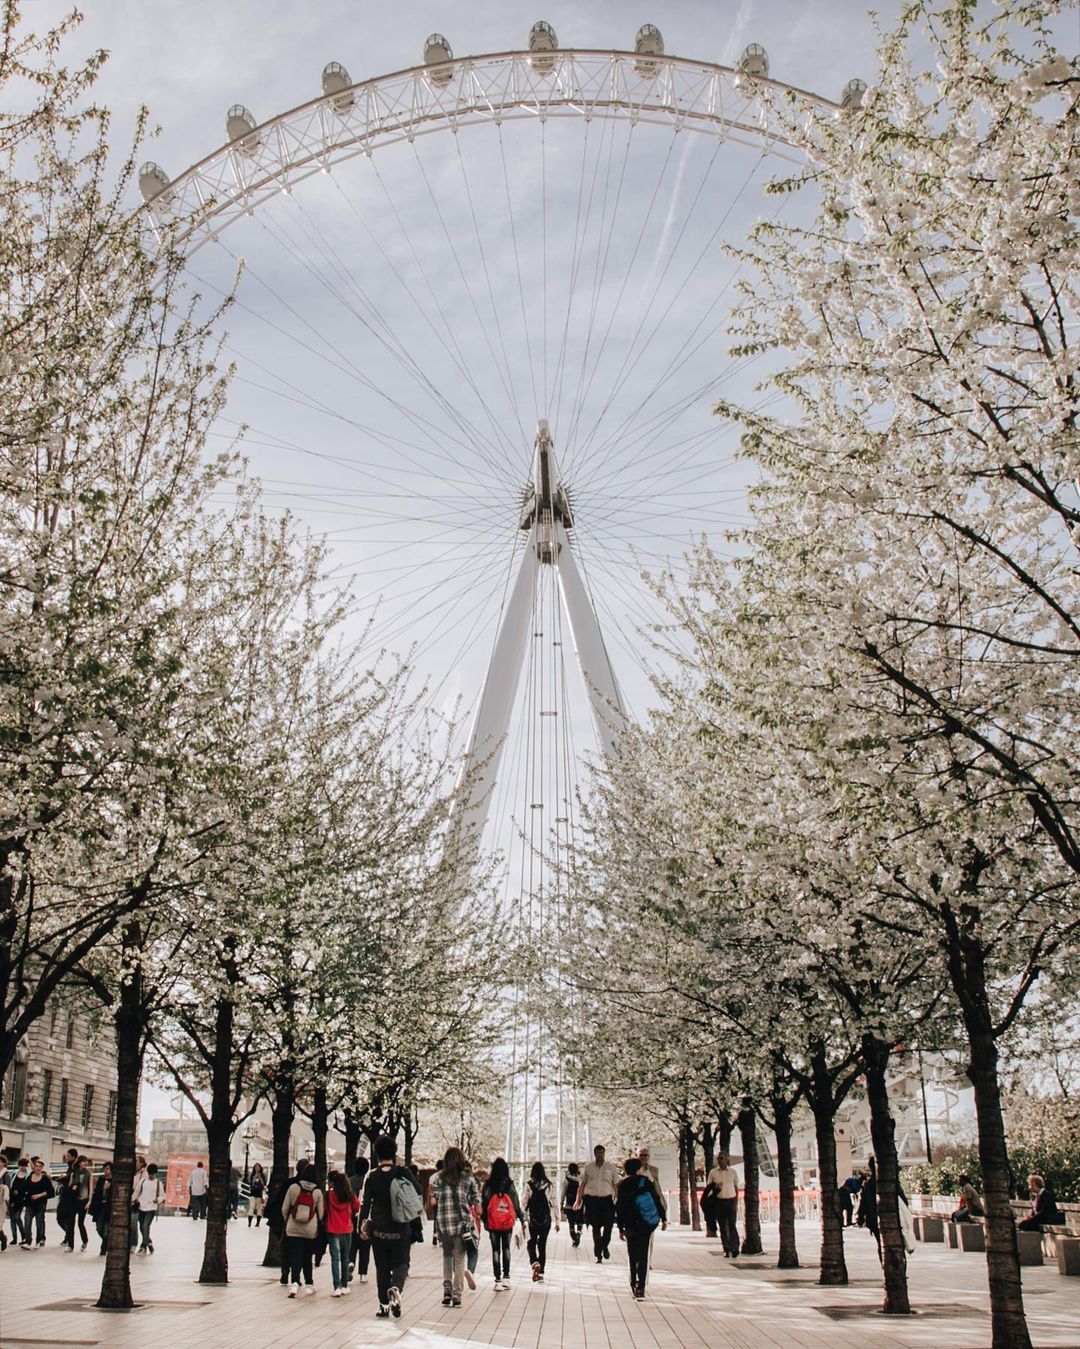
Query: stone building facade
[[60, 1092]]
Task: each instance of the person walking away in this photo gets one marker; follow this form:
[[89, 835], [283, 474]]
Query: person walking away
[[199, 1190], [501, 1208], [1044, 1207], [101, 1205], [133, 1228], [454, 1195], [596, 1196], [67, 1204], [342, 1206], [275, 1221], [257, 1195], [302, 1208], [472, 1248], [431, 1181], [571, 1184], [39, 1191], [538, 1212], [386, 1219], [639, 1211], [725, 1185], [361, 1248], [147, 1200], [971, 1206], [17, 1210]]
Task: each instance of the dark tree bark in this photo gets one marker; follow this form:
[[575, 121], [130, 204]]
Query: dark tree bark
[[823, 1103], [691, 1176], [751, 1243], [352, 1141], [219, 1131], [707, 1147], [883, 1132], [281, 1119], [782, 1110], [684, 1184], [724, 1127], [116, 1281], [966, 959], [320, 1124]]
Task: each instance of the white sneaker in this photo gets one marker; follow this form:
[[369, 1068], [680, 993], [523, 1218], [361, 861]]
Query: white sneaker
[[294, 1288], [337, 1292], [363, 1278], [470, 1280], [309, 1288], [344, 1292], [498, 1285]]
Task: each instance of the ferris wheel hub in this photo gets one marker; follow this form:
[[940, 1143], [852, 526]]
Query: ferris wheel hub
[[547, 504]]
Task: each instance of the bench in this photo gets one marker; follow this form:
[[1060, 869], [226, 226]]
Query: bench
[[1067, 1250], [930, 1227], [970, 1236], [1029, 1246]]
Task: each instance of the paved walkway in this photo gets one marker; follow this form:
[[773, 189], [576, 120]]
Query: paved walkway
[[697, 1300]]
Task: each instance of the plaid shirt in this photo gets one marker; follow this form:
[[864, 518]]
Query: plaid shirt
[[453, 1204]]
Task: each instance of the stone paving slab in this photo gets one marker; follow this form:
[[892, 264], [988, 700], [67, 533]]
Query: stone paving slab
[[696, 1301]]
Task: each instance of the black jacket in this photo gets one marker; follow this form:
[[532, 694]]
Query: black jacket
[[376, 1205], [627, 1213]]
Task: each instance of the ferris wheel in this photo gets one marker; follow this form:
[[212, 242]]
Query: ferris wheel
[[477, 337]]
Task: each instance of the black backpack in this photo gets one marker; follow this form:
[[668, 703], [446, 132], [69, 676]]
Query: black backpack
[[539, 1204]]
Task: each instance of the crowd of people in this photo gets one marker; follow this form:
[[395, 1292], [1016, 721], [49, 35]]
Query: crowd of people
[[376, 1215]]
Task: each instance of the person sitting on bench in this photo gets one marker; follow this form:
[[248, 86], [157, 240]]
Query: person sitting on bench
[[970, 1203], [1044, 1209]]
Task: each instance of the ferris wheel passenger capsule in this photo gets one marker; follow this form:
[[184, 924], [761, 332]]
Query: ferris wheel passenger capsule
[[437, 52], [337, 85], [649, 42], [240, 128], [154, 183], [852, 96], [755, 61], [542, 39]]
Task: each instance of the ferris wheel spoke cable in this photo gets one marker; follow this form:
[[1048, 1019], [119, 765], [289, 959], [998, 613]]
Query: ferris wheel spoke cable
[[580, 445], [520, 280], [637, 348], [398, 349], [603, 246], [482, 326], [507, 375]]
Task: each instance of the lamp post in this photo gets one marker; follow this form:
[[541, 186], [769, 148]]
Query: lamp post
[[249, 1134]]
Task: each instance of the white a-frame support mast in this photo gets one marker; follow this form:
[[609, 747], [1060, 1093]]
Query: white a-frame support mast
[[547, 518]]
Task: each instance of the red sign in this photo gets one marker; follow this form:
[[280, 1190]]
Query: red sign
[[180, 1165]]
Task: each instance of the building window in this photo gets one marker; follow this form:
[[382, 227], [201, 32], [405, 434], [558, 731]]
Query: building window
[[88, 1107], [110, 1114], [70, 1032], [61, 1114], [46, 1095], [17, 1102], [53, 1014]]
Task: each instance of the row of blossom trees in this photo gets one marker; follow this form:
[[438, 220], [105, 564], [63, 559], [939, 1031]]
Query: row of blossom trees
[[212, 818], [854, 821]]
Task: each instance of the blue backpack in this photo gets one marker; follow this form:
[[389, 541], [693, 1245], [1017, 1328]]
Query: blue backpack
[[646, 1204]]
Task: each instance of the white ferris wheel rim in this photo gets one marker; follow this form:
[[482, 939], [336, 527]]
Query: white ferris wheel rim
[[682, 94]]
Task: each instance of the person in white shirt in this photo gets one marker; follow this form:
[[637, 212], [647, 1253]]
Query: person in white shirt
[[725, 1185], [647, 1170], [199, 1189], [596, 1194], [147, 1197]]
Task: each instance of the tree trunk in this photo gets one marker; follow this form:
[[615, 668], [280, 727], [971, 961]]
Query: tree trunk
[[219, 1131], [1009, 1324], [785, 1172], [691, 1174], [320, 1124], [751, 1242], [352, 1141], [883, 1132], [282, 1122], [723, 1133], [708, 1151], [116, 1281], [684, 1186], [833, 1269], [411, 1125]]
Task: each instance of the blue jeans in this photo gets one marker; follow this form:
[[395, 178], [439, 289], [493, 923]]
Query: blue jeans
[[145, 1219], [340, 1244]]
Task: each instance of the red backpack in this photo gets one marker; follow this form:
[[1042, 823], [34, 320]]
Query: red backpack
[[303, 1209], [500, 1213]]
